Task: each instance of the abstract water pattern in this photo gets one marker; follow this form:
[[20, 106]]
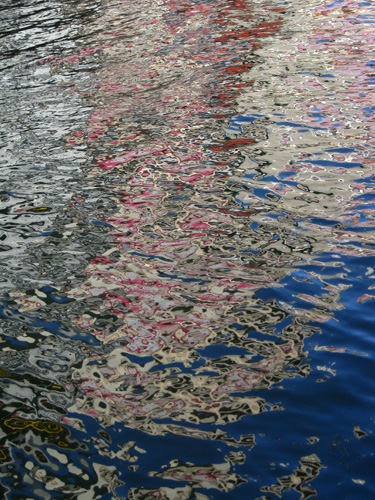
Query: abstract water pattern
[[187, 249]]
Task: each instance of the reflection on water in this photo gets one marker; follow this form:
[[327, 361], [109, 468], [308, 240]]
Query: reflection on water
[[187, 249]]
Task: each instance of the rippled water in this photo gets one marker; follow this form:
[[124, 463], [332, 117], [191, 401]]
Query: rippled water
[[187, 249]]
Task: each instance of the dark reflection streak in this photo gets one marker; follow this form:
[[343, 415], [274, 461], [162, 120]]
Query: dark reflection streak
[[37, 25]]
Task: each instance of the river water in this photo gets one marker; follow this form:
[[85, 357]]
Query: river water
[[187, 249]]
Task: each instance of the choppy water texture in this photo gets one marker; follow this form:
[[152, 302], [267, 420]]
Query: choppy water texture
[[187, 249]]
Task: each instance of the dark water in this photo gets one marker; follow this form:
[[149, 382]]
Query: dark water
[[187, 250]]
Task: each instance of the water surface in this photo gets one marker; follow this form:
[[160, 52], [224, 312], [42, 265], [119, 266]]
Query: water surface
[[187, 250]]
